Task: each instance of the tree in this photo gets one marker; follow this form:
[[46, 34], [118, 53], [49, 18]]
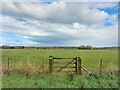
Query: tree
[[88, 47]]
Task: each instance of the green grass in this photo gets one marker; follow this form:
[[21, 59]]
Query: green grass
[[90, 60], [15, 80]]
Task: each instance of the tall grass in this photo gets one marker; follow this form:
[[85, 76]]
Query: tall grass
[[31, 69], [37, 77], [90, 58], [17, 80], [27, 69]]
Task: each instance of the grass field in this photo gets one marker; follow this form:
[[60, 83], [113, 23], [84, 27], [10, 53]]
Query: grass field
[[90, 60], [15, 80]]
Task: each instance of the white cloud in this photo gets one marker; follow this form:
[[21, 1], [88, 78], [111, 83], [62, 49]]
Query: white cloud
[[21, 0], [60, 0], [12, 25], [59, 12], [51, 33], [56, 23], [89, 0]]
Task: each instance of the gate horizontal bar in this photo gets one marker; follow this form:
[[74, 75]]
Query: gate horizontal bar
[[63, 58], [65, 71], [63, 62], [64, 67]]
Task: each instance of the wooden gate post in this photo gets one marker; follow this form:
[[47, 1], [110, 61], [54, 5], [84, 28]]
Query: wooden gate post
[[50, 64], [78, 65]]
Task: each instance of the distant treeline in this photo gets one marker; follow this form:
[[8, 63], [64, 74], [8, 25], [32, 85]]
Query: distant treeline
[[82, 47]]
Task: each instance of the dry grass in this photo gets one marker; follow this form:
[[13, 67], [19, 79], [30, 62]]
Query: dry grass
[[4, 68], [18, 66], [111, 69], [29, 68], [0, 70]]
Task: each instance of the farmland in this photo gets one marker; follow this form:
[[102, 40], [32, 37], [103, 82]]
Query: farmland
[[36, 57]]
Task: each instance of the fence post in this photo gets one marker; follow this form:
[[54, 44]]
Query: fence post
[[100, 68], [78, 65], [8, 63], [43, 65], [50, 64]]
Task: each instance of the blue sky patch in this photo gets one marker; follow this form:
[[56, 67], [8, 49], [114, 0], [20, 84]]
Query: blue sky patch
[[110, 11]]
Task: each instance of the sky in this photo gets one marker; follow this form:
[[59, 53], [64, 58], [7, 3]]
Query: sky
[[59, 23]]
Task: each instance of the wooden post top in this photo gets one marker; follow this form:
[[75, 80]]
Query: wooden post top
[[50, 57]]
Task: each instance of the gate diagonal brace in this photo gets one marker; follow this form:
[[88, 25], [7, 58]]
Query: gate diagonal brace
[[65, 65], [86, 70]]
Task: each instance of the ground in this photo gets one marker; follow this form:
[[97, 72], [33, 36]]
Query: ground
[[28, 60]]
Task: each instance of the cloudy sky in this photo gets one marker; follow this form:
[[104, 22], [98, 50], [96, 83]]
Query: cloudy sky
[[59, 23]]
